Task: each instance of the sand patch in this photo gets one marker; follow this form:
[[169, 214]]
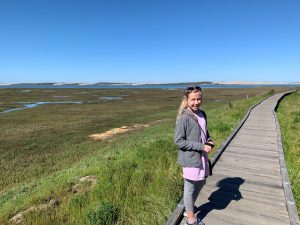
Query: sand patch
[[85, 183], [120, 130], [115, 131], [17, 219]]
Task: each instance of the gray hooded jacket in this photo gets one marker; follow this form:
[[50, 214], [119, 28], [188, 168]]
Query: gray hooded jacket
[[187, 137]]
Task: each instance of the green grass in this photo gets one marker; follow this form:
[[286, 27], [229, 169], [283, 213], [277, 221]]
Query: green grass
[[289, 118], [45, 150]]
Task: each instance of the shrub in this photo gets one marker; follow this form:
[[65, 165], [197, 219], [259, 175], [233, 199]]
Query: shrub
[[106, 213], [271, 92]]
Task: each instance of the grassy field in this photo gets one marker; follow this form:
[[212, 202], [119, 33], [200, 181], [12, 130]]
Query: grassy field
[[289, 118], [46, 150]]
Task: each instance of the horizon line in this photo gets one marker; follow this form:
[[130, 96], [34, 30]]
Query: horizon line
[[155, 83]]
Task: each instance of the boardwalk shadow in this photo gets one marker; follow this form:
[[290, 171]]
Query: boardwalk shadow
[[221, 198]]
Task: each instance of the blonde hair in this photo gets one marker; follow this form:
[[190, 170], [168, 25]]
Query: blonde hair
[[183, 104]]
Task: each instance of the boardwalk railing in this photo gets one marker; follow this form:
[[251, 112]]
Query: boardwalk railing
[[177, 215]]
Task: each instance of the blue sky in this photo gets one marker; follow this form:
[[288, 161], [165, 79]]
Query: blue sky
[[149, 41]]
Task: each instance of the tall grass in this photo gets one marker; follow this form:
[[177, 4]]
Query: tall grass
[[138, 179], [289, 118]]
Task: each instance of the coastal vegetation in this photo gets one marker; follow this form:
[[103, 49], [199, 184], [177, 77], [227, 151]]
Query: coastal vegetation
[[289, 119], [52, 172]]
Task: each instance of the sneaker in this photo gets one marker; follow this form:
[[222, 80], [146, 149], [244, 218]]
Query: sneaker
[[198, 222], [195, 211]]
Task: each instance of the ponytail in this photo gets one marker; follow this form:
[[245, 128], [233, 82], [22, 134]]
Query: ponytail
[[182, 106]]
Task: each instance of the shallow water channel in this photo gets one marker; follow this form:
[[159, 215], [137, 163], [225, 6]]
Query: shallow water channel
[[32, 105]]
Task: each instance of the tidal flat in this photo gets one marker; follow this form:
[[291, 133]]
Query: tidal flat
[[45, 150]]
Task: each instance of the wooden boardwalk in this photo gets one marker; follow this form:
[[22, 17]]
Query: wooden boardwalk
[[247, 186]]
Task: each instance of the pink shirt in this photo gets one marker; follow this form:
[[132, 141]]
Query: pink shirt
[[192, 173]]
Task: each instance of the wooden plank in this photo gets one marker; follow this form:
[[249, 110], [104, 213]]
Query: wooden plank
[[254, 146], [244, 155], [239, 216], [252, 151]]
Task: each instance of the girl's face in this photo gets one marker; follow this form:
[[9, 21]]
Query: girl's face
[[194, 101]]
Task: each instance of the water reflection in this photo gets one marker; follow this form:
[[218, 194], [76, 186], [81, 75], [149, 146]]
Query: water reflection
[[32, 105], [59, 96], [110, 98], [25, 91]]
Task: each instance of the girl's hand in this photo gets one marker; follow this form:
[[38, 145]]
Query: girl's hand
[[207, 148], [211, 144]]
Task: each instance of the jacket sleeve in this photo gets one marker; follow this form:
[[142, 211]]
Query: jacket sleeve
[[180, 137], [208, 136]]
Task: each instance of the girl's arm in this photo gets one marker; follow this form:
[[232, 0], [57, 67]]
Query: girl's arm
[[180, 138]]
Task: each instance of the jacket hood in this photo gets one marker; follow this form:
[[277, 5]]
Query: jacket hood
[[189, 113]]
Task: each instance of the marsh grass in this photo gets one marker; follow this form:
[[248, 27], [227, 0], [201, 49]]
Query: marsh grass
[[45, 150], [289, 118]]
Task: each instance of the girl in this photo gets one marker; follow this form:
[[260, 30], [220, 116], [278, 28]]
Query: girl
[[194, 142]]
